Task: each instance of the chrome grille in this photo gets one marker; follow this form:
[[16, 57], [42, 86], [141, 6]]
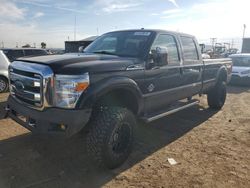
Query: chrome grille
[[31, 83], [25, 87]]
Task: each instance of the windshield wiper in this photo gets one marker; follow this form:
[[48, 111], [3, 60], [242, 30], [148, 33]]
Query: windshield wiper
[[104, 52]]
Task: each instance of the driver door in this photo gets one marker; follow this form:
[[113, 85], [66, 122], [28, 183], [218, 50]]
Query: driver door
[[162, 78]]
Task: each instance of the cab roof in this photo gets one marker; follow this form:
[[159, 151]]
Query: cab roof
[[158, 31]]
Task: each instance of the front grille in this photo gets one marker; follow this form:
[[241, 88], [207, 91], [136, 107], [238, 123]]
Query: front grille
[[27, 86], [31, 84]]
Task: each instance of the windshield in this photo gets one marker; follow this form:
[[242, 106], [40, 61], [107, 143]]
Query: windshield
[[125, 43], [241, 61]]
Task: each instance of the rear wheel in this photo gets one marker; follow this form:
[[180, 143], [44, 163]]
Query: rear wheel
[[3, 84], [217, 96], [110, 137]]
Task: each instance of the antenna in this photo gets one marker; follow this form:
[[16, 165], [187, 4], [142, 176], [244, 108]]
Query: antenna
[[97, 31], [213, 41]]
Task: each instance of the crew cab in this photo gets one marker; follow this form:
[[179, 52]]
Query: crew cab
[[121, 77]]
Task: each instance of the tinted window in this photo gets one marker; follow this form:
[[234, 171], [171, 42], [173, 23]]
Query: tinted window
[[28, 52], [189, 49], [168, 42], [14, 54], [125, 43], [34, 52], [109, 44], [39, 52]]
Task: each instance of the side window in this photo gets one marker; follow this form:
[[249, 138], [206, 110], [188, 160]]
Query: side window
[[28, 52], [14, 54], [39, 52], [189, 49], [167, 42]]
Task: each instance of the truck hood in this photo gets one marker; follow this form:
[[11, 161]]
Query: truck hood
[[81, 63]]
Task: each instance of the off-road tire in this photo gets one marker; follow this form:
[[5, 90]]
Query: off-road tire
[[217, 96], [111, 128], [4, 85]]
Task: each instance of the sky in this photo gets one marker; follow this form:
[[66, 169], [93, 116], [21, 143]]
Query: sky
[[53, 21]]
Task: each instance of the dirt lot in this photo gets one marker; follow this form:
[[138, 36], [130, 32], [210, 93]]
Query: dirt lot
[[212, 150]]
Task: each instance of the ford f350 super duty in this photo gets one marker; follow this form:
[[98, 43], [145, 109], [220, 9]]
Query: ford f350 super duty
[[121, 77]]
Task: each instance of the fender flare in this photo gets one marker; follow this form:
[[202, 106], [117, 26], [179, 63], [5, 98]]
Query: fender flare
[[222, 70], [99, 89], [4, 73]]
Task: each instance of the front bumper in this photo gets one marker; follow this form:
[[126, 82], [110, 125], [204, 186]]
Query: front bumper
[[51, 121], [240, 80]]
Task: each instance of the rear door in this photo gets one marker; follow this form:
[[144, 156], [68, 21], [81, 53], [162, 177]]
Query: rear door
[[191, 71]]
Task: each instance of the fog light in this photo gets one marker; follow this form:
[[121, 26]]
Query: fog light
[[63, 127]]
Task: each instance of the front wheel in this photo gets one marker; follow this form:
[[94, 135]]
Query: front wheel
[[217, 96], [3, 84], [110, 137]]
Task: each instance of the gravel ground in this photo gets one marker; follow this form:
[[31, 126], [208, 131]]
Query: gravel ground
[[211, 148]]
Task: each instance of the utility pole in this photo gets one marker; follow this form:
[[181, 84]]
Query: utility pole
[[16, 44], [244, 31], [75, 30], [213, 41]]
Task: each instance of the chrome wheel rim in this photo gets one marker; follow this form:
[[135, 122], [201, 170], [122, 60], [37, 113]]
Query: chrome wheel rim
[[2, 85]]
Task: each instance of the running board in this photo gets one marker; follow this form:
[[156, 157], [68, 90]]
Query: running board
[[153, 118]]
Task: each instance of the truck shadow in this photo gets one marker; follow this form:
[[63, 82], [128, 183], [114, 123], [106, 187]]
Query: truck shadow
[[2, 109], [29, 161], [237, 89]]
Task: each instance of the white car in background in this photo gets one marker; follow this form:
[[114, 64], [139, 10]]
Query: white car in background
[[241, 69], [4, 64]]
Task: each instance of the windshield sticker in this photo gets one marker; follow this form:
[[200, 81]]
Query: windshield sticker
[[142, 33]]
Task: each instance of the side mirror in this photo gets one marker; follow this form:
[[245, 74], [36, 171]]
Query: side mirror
[[159, 56], [81, 49]]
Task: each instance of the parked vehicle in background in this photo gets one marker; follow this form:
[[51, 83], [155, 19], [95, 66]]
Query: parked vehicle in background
[[217, 51], [4, 64], [14, 53], [205, 56], [122, 76], [241, 69]]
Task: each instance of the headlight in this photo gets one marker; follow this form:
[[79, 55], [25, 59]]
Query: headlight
[[245, 72], [68, 89]]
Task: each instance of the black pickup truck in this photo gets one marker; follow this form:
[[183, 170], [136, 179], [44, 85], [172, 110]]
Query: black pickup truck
[[121, 77]]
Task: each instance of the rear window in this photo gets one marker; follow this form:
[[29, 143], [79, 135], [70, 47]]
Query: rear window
[[189, 49]]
